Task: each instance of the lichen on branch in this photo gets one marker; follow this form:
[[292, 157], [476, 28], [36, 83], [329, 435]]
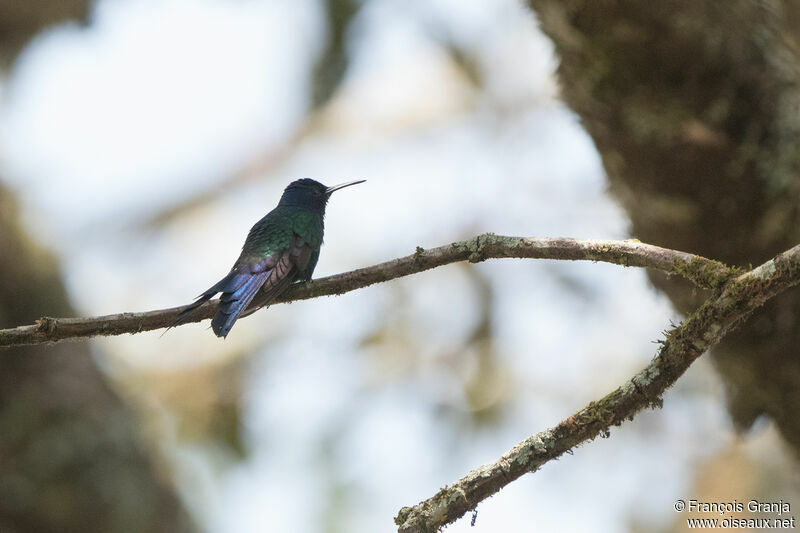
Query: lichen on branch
[[703, 272], [737, 298]]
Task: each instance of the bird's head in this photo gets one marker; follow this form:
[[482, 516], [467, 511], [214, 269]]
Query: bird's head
[[310, 194]]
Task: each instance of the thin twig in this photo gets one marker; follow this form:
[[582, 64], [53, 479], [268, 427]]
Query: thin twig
[[718, 316], [703, 272]]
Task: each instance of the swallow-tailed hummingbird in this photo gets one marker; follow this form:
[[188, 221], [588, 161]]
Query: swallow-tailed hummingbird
[[281, 248]]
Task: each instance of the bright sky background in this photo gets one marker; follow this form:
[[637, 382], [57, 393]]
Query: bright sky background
[[157, 100]]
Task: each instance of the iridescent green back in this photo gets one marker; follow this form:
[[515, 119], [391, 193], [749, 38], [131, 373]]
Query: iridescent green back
[[272, 235]]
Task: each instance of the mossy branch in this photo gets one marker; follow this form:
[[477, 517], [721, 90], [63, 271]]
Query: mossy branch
[[719, 315], [703, 272]]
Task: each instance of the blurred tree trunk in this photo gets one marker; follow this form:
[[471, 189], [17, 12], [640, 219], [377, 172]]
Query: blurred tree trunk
[[694, 106], [70, 458]]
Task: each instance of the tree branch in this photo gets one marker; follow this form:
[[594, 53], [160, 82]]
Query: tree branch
[[702, 272], [718, 316]]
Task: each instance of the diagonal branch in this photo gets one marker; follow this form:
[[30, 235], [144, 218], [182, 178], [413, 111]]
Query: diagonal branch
[[718, 316], [702, 272]]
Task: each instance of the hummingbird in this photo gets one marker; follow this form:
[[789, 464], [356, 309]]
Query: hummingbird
[[281, 248]]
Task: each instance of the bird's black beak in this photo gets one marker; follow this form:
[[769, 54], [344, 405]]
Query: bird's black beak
[[330, 190]]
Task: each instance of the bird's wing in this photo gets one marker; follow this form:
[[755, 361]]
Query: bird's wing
[[240, 291], [241, 281], [301, 252], [233, 281], [269, 275], [293, 261]]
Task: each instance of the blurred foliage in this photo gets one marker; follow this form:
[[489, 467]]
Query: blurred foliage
[[479, 384], [461, 52], [204, 400], [326, 76], [70, 456], [332, 64], [693, 108], [487, 381]]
